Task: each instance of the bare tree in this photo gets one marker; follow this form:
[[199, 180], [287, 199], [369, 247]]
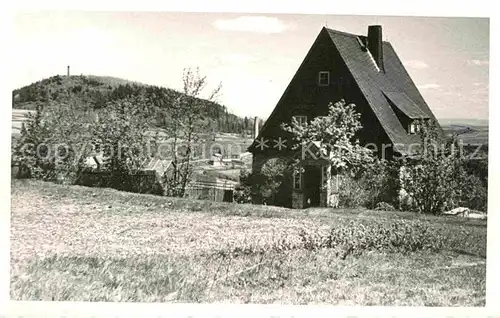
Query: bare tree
[[122, 131], [186, 114]]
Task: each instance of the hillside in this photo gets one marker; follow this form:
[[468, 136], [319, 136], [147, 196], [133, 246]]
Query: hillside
[[463, 122], [94, 92], [71, 243], [470, 131]]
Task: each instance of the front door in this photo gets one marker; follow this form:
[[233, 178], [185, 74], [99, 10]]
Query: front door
[[228, 196], [312, 183]]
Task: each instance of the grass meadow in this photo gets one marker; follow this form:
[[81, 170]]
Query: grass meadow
[[89, 244]]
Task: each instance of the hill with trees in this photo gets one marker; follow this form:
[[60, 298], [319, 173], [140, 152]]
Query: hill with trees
[[93, 93]]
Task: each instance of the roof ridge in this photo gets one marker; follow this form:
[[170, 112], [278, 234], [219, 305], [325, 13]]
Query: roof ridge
[[342, 32], [351, 34]]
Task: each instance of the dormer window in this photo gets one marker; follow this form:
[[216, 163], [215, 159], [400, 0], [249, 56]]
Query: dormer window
[[324, 78], [414, 127], [302, 120], [408, 112]]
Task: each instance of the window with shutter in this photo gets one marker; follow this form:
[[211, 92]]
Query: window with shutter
[[324, 78], [302, 120]]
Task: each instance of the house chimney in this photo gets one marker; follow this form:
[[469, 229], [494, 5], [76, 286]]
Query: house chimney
[[68, 70], [375, 44], [255, 127]]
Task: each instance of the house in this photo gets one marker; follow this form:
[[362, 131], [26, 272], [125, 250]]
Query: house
[[211, 187], [216, 160], [361, 69], [150, 179], [147, 179]]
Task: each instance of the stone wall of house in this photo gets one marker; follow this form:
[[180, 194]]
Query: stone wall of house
[[258, 161], [329, 196], [333, 197], [297, 200]]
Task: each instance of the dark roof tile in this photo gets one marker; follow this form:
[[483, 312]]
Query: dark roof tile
[[373, 83], [405, 104], [393, 80]]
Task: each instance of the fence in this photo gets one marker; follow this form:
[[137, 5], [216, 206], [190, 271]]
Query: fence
[[203, 188], [206, 188], [139, 182]]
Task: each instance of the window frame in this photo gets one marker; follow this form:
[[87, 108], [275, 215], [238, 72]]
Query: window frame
[[414, 127], [297, 178], [302, 121], [324, 175], [328, 80]]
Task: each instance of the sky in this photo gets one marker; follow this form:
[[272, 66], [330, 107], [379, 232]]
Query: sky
[[254, 56]]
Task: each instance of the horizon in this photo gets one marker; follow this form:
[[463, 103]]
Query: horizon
[[450, 119], [447, 58]]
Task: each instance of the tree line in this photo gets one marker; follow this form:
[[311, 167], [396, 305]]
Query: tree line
[[439, 176], [58, 139], [94, 93]]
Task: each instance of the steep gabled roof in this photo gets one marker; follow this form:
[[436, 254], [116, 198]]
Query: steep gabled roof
[[394, 79], [402, 102], [380, 87]]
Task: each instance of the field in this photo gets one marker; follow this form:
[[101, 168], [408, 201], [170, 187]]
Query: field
[[18, 117], [471, 132], [226, 143], [87, 244], [474, 132]]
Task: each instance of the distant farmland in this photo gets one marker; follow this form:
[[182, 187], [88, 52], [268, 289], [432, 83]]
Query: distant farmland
[[18, 116], [471, 131]]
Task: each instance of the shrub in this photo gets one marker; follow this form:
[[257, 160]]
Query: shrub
[[33, 136], [381, 179], [333, 137], [438, 177], [384, 206], [352, 193], [478, 167], [396, 237], [354, 238], [121, 132], [368, 185], [243, 192], [335, 134], [472, 193], [53, 143], [267, 183]]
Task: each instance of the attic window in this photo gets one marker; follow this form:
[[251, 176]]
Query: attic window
[[302, 120], [400, 102], [414, 127], [324, 78]]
